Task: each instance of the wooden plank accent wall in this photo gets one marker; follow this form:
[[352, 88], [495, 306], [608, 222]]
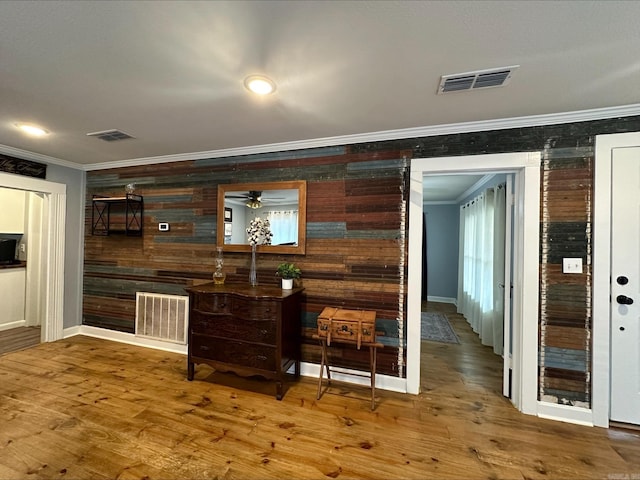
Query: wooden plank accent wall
[[565, 231], [355, 239]]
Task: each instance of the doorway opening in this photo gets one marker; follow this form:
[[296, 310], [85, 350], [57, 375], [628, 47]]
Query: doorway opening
[[526, 169], [46, 288], [21, 229], [466, 258]]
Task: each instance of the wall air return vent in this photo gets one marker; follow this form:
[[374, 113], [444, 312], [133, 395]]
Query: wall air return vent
[[112, 135], [496, 77]]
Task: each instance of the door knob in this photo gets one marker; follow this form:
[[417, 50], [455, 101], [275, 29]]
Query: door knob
[[622, 280], [624, 300]]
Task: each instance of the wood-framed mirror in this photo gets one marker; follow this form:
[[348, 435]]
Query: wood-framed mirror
[[284, 204]]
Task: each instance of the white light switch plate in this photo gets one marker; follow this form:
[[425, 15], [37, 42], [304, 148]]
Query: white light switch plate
[[572, 265], [163, 227]]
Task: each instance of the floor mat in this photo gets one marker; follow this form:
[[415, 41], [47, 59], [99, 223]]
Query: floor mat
[[436, 328]]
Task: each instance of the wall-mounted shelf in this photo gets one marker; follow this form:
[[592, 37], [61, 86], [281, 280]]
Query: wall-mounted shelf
[[117, 215]]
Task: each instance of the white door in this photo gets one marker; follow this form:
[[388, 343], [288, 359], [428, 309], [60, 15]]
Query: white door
[[625, 285], [507, 286]]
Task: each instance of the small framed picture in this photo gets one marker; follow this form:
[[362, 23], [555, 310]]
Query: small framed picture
[[228, 214], [228, 229]]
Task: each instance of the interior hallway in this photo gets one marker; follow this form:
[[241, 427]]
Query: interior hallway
[[469, 362]]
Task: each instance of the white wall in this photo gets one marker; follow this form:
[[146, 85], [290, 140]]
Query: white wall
[[75, 181]]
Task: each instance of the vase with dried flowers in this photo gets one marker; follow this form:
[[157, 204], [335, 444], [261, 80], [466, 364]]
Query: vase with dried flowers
[[258, 233]]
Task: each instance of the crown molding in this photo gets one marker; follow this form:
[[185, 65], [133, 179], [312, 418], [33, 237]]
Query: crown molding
[[476, 186], [400, 134], [37, 157]]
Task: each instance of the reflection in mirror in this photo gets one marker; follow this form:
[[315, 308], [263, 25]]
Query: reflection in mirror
[[282, 203]]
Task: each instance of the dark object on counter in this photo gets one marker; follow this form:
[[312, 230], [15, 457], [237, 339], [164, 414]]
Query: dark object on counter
[[7, 251]]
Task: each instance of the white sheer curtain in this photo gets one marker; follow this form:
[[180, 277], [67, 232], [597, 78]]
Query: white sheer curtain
[[284, 226], [482, 265]]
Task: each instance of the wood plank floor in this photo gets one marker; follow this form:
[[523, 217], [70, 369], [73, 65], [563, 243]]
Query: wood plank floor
[[86, 408], [19, 338]]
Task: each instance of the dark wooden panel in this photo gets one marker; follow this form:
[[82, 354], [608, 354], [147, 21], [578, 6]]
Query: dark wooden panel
[[351, 200]]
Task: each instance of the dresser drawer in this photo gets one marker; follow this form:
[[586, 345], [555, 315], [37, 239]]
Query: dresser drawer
[[212, 303], [234, 352], [263, 331], [255, 309]]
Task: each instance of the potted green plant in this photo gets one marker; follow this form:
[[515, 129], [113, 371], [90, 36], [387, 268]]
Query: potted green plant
[[288, 271]]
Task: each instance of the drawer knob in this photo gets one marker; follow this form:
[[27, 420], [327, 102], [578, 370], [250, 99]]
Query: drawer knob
[[263, 332], [204, 347], [261, 357]]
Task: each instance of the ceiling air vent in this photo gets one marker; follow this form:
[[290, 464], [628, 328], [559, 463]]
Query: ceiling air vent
[[496, 77], [110, 135]]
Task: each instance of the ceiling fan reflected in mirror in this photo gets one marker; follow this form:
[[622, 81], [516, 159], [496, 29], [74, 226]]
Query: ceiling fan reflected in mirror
[[254, 198]]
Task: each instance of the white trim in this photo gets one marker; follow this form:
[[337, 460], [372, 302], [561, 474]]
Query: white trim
[[526, 283], [416, 132], [565, 413], [54, 209], [434, 298], [123, 337], [54, 233], [383, 382], [37, 157], [355, 377], [476, 186], [526, 167], [601, 360], [72, 331], [31, 184], [399, 134], [10, 325]]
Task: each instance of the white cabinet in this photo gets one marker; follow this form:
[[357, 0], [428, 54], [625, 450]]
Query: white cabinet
[[12, 296], [12, 208]]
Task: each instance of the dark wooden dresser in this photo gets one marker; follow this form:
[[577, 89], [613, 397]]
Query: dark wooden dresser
[[246, 330]]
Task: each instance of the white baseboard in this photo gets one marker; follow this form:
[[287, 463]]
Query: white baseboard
[[10, 325], [71, 331], [566, 413], [433, 298], [122, 337], [383, 382]]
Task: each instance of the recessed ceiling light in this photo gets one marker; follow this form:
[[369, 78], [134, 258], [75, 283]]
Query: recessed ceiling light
[[32, 130], [259, 84]]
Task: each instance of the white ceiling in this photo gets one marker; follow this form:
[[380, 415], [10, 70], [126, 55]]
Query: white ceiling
[[450, 188], [171, 73]]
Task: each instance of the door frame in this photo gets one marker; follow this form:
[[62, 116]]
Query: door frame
[[526, 167], [54, 213], [601, 338]]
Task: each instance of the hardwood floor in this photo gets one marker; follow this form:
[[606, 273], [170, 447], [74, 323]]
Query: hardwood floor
[[87, 408], [19, 338]]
